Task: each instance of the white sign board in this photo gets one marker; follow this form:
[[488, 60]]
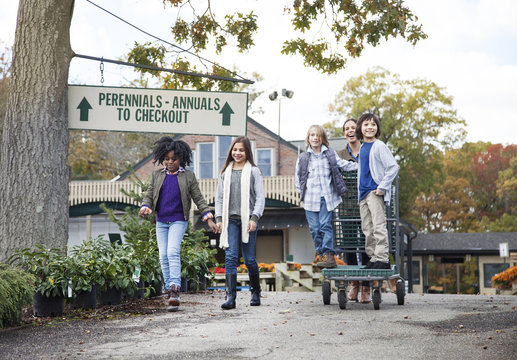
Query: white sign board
[[157, 111], [503, 250]]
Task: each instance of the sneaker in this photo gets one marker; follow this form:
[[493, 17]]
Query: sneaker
[[174, 298], [379, 265], [327, 261]]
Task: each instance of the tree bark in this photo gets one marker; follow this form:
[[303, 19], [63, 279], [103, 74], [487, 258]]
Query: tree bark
[[34, 170]]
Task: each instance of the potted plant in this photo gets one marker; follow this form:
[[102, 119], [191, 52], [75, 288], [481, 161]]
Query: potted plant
[[140, 236], [117, 268], [196, 260], [50, 270], [85, 271], [144, 252], [506, 281]]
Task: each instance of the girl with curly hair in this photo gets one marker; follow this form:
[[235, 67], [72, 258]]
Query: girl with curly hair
[[170, 194]]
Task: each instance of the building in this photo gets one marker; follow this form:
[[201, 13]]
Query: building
[[466, 261], [282, 229]]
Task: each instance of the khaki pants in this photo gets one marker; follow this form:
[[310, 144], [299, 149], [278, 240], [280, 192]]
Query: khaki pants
[[373, 224]]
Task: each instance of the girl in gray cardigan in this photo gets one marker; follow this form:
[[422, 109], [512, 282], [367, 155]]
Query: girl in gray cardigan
[[377, 170]]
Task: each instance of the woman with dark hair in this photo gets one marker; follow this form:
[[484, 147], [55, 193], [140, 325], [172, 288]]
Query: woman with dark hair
[[170, 193], [239, 204], [351, 153]]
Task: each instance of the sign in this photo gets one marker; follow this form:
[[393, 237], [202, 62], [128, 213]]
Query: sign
[[503, 250], [157, 111]]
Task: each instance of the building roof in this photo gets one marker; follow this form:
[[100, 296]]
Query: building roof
[[464, 243]]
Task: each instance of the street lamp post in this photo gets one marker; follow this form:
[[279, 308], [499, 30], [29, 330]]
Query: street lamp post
[[274, 96]]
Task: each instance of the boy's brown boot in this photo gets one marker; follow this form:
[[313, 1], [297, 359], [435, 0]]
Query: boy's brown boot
[[327, 261], [174, 298], [365, 295], [354, 291]]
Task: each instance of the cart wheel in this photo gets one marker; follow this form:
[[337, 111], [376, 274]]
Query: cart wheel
[[376, 299], [341, 298], [326, 291], [401, 292]]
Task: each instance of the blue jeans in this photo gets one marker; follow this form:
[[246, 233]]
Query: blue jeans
[[248, 249], [169, 237], [321, 229]]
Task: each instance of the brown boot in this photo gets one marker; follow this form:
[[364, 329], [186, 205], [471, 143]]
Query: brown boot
[[393, 285], [365, 295], [174, 298], [327, 261], [354, 291]]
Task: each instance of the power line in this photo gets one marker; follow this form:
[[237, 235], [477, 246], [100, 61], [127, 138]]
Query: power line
[[180, 72], [173, 45]]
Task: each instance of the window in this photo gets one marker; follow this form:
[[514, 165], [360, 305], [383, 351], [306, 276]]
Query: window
[[265, 161], [223, 146], [492, 269], [210, 157], [205, 157]]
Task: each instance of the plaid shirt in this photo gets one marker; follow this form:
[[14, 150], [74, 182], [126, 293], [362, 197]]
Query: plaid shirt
[[319, 181]]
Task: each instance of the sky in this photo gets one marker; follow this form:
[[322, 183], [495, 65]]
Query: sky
[[471, 53]]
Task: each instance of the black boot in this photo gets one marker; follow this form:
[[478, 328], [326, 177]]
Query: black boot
[[255, 289], [231, 291]]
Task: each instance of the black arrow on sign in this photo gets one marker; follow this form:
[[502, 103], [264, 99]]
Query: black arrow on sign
[[227, 112], [84, 106]]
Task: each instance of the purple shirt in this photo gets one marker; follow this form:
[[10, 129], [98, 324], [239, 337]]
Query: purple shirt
[[169, 207]]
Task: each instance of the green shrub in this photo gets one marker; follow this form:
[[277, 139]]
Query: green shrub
[[49, 267], [196, 257], [16, 290]]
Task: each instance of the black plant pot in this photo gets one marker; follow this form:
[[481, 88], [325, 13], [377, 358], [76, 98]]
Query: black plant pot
[[111, 296], [86, 299], [156, 289], [139, 293], [48, 306], [189, 284]]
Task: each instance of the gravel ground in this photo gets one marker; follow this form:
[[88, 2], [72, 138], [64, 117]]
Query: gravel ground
[[287, 326]]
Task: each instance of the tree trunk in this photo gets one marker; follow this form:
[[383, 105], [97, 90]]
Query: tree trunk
[[34, 169]]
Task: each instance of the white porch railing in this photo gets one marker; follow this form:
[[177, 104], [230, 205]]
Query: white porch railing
[[81, 192]]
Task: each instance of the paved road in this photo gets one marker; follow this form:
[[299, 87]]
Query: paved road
[[287, 326]]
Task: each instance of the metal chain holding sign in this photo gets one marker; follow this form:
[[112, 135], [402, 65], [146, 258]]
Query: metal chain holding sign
[[102, 71]]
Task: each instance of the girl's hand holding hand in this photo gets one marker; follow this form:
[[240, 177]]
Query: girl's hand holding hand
[[144, 211], [213, 226], [218, 228], [252, 226]]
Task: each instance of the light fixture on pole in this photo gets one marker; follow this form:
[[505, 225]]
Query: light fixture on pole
[[274, 96]]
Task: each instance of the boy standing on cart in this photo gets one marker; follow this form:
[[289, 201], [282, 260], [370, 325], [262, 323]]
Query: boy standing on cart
[[321, 186], [377, 170]]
